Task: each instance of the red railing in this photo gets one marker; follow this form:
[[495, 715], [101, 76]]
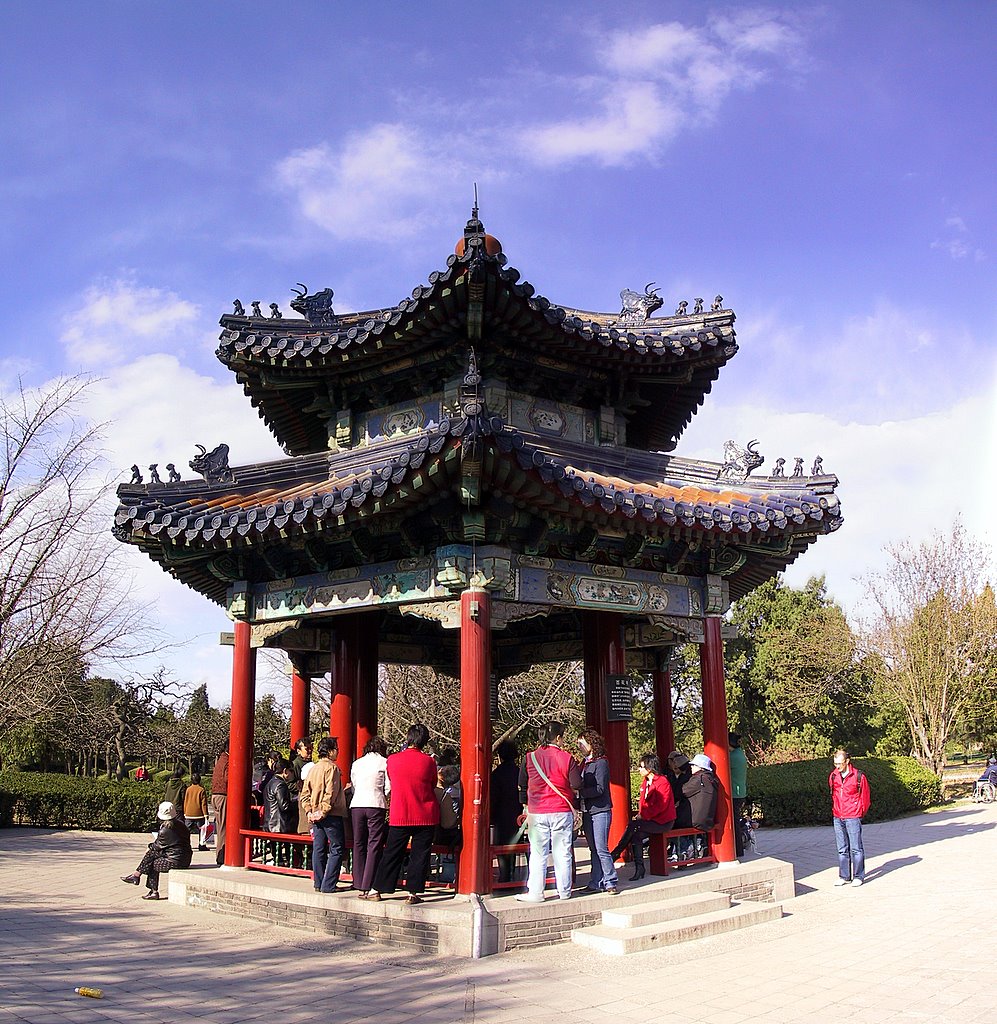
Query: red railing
[[287, 854]]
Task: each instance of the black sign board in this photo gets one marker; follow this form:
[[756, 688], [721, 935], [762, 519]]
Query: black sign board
[[619, 699]]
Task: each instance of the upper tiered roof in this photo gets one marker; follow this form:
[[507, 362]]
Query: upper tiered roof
[[655, 371]]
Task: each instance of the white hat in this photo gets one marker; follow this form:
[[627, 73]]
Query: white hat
[[166, 811], [702, 761]]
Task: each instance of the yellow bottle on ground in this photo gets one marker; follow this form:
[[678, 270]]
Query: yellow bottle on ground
[[93, 993]]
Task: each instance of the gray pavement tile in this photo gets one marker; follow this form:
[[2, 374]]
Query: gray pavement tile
[[897, 933]]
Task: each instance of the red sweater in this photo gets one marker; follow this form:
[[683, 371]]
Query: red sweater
[[657, 802], [413, 789], [850, 796], [560, 767]]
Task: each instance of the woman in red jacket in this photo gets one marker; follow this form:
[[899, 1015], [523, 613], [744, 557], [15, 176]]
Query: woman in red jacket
[[655, 812], [413, 815]]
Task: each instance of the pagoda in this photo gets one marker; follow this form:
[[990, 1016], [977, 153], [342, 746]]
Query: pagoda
[[479, 480]]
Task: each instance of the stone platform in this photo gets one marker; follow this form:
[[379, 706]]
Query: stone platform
[[454, 925]]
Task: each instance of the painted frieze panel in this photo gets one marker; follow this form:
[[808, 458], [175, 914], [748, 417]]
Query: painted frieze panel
[[392, 583], [522, 587], [556, 419], [398, 420], [608, 588]]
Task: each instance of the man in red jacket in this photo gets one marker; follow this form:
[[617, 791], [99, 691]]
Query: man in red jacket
[[850, 800]]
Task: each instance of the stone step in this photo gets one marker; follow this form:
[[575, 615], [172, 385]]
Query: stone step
[[620, 941], [665, 910]]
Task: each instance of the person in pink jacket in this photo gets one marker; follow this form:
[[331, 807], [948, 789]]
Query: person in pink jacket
[[850, 799], [547, 784]]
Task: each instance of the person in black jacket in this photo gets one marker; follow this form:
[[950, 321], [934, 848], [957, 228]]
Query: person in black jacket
[[505, 805], [279, 812], [597, 812], [678, 774], [170, 849], [701, 791]]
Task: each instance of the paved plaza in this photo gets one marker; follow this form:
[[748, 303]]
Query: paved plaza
[[913, 945]]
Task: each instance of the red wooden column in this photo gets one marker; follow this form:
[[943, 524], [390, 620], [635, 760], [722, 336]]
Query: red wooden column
[[602, 647], [240, 764], [342, 710], [664, 727], [367, 666], [715, 745], [475, 874], [301, 696]]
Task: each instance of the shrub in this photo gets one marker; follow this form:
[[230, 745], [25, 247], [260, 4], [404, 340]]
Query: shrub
[[797, 793], [64, 801]]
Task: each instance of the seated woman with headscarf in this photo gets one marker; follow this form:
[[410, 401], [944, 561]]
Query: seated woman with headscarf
[[170, 849], [655, 812]]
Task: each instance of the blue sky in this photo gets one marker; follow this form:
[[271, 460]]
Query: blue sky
[[828, 169]]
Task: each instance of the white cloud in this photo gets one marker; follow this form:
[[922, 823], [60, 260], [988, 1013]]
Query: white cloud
[[958, 249], [387, 178], [115, 314], [898, 478], [891, 361], [631, 113], [958, 243], [644, 86], [156, 410], [658, 79]]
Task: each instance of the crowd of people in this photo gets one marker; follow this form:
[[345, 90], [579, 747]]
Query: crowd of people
[[400, 806], [554, 783]]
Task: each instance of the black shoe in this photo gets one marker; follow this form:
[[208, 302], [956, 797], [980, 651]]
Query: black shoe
[[132, 879], [639, 872]]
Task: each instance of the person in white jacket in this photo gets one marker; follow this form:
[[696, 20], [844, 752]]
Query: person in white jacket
[[368, 810]]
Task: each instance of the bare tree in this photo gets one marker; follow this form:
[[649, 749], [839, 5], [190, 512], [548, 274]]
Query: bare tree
[[527, 700], [935, 632], [64, 597]]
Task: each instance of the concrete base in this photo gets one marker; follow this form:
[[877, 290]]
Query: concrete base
[[445, 923]]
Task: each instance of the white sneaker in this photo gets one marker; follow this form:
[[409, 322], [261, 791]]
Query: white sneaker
[[567, 897], [525, 897], [837, 881], [856, 881]]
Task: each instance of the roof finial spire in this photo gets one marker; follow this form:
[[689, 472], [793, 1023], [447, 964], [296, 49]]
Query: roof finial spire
[[474, 211]]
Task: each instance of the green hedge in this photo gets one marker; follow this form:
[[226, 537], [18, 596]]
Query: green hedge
[[64, 801], [797, 793]]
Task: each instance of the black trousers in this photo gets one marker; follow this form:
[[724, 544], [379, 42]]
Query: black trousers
[[634, 836], [153, 864], [738, 834], [386, 878], [369, 834]]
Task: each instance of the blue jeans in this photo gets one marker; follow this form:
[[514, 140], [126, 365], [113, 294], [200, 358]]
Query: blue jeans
[[328, 844], [550, 834], [596, 827], [851, 856]]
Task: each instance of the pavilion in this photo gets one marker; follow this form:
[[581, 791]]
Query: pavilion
[[479, 480]]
